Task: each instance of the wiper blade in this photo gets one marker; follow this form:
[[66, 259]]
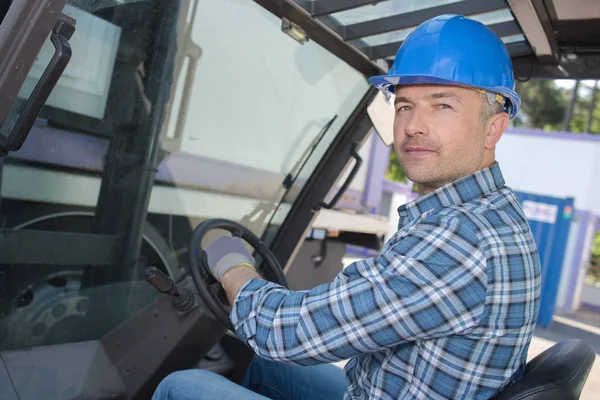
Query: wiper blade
[[291, 177]]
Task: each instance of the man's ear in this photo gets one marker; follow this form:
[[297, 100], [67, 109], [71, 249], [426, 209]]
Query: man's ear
[[494, 128]]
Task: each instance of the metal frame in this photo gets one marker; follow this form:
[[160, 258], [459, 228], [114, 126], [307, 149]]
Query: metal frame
[[123, 199], [414, 18], [59, 248], [539, 55], [529, 14], [325, 7], [502, 29], [528, 67], [346, 42], [519, 49], [323, 34]]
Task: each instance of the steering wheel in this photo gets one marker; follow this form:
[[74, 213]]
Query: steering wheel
[[208, 287]]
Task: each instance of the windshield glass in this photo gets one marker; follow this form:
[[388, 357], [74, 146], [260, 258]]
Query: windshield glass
[[169, 113]]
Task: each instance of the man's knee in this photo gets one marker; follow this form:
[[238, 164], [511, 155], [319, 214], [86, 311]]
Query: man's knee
[[182, 383], [187, 377]]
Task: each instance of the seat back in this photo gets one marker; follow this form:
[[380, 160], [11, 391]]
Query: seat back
[[559, 372]]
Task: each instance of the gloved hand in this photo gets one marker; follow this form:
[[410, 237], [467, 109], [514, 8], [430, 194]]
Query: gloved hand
[[226, 253]]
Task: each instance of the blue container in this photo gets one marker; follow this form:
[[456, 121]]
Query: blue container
[[550, 220]]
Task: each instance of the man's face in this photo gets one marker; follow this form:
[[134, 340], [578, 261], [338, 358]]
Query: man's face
[[438, 134]]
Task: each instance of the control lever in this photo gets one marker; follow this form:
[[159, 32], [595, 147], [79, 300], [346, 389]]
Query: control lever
[[183, 299]]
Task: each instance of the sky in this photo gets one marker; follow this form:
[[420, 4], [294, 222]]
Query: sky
[[565, 83], [585, 87], [568, 83]]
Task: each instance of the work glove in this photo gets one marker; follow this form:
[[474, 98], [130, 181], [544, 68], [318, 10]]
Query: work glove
[[226, 253]]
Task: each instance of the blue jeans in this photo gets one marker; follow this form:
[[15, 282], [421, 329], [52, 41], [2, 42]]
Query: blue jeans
[[264, 380]]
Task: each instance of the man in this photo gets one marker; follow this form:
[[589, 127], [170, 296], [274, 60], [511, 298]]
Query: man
[[447, 310]]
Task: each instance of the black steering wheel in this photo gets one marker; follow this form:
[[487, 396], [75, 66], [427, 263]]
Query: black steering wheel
[[208, 287]]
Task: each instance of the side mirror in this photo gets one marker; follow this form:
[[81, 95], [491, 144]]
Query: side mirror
[[381, 112]]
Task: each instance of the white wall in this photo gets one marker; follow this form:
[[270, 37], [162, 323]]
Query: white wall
[[591, 295], [594, 189], [562, 297], [552, 166], [584, 265], [575, 265]]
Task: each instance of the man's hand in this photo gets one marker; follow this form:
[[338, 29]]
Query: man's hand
[[226, 253]]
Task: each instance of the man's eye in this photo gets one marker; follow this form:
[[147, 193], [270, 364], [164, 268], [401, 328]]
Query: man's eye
[[403, 108], [444, 106]]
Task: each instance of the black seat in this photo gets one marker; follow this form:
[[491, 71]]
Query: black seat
[[559, 372]]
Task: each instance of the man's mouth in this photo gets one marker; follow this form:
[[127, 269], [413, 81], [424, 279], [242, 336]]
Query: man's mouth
[[418, 151]]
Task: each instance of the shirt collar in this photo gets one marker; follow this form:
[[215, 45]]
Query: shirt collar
[[463, 190]]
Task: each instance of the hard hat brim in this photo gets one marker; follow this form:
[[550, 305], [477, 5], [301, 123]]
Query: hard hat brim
[[389, 83]]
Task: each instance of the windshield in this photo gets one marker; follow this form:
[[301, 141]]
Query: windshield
[[169, 113]]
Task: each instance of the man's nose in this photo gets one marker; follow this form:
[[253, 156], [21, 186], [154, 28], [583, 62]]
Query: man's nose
[[416, 123]]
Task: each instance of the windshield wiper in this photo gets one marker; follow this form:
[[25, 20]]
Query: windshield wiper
[[266, 209], [291, 177]]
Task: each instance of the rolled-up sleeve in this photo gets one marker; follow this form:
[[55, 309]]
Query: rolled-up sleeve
[[430, 282]]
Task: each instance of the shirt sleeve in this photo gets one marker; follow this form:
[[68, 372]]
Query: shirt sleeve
[[428, 283]]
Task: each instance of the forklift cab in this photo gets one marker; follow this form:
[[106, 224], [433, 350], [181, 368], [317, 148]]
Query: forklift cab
[[134, 132]]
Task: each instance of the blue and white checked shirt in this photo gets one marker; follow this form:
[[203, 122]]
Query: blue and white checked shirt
[[446, 311]]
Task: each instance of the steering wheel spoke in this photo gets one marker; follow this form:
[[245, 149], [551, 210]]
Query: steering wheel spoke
[[209, 280], [213, 295], [238, 233]]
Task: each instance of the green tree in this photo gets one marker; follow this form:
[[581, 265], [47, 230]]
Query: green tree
[[543, 104], [596, 246], [593, 275], [581, 113], [394, 171]]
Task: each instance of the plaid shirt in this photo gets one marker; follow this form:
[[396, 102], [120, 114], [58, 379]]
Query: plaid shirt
[[447, 310]]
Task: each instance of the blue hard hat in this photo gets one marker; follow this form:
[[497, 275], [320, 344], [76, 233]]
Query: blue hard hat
[[454, 50]]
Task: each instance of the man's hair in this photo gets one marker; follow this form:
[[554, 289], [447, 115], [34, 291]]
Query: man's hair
[[489, 110]]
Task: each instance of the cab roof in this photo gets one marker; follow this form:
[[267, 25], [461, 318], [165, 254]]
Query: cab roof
[[548, 39]]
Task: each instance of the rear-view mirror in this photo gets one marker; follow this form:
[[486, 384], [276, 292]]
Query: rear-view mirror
[[381, 112]]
